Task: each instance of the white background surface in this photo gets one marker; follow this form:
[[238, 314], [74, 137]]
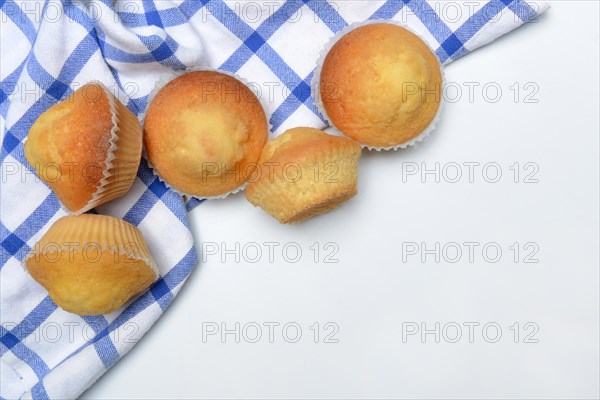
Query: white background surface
[[371, 292]]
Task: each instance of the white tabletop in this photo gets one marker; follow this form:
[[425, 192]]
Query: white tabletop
[[372, 305]]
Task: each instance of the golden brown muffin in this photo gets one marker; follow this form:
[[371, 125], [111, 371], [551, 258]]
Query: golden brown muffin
[[304, 172], [92, 264], [380, 84], [204, 132], [87, 148]]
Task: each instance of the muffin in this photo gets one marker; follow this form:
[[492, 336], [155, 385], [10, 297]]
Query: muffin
[[304, 172], [204, 132], [381, 85], [87, 148], [92, 264]]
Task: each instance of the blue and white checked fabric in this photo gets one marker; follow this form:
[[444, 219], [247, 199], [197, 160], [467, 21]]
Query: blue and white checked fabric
[[49, 48]]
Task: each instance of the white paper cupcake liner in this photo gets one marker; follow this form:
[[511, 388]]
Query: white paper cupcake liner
[[108, 163], [162, 81], [97, 197], [107, 189], [315, 84]]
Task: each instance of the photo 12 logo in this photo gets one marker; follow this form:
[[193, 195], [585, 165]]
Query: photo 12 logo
[[270, 332], [469, 332], [271, 252], [469, 252], [470, 172], [51, 332]]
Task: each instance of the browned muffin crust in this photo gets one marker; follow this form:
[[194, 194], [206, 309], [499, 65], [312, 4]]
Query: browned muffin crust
[[72, 148], [380, 84], [69, 143], [204, 132]]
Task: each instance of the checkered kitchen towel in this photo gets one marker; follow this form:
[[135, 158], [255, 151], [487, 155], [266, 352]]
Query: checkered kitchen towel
[[49, 48]]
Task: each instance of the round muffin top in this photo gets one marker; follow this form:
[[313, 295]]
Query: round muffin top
[[381, 85], [204, 132], [68, 145]]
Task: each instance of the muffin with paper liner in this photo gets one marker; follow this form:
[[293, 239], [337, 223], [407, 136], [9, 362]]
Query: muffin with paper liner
[[380, 84], [204, 132], [87, 148]]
